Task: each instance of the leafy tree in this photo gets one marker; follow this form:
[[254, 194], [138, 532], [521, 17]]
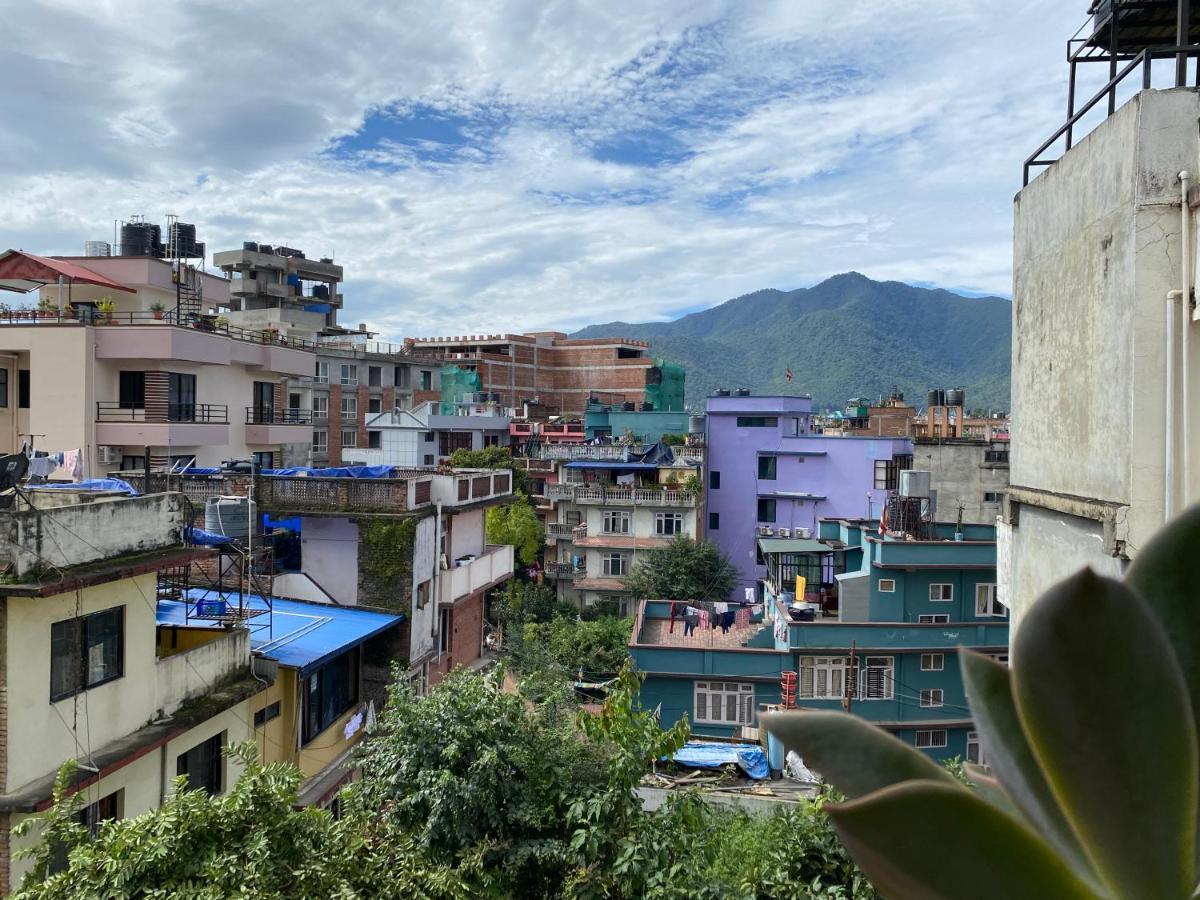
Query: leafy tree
[[685, 569], [566, 646], [517, 523]]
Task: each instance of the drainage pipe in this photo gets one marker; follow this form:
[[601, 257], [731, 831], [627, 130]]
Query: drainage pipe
[[1186, 321], [1169, 461]]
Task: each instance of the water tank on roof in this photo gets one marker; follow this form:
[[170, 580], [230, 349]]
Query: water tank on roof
[[934, 398], [721, 392], [956, 397], [252, 246], [742, 392], [141, 239], [229, 516], [266, 248], [647, 406], [629, 406], [328, 260], [914, 483], [695, 424], [182, 238]]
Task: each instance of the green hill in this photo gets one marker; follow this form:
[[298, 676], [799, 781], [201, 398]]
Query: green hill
[[846, 337]]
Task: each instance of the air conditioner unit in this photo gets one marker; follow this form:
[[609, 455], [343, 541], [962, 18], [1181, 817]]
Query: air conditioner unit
[[109, 455], [766, 530], [785, 532]]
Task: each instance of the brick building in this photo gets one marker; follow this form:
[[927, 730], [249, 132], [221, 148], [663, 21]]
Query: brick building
[[560, 372]]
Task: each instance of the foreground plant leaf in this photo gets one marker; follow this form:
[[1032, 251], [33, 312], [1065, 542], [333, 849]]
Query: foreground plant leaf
[[989, 693], [851, 754], [1105, 708], [927, 840]]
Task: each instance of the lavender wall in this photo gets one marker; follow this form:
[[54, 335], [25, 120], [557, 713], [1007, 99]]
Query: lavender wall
[[836, 474]]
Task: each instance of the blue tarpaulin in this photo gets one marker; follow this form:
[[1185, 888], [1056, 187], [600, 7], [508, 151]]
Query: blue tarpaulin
[[206, 538], [336, 472], [291, 523], [750, 758], [94, 484], [199, 470]]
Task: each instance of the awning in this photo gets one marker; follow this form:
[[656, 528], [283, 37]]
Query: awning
[[24, 272], [793, 545]]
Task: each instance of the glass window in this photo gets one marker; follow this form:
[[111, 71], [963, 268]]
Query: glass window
[[444, 630], [795, 426], [181, 397], [876, 678], [23, 389], [349, 437], [714, 521], [428, 459], [714, 481], [986, 603], [933, 662], [615, 565], [402, 377], [374, 440], [887, 471], [349, 408], [374, 405], [766, 511], [266, 714], [933, 739], [617, 521], [931, 697], [322, 375], [131, 391], [723, 703], [939, 593], [3, 388], [766, 468], [320, 441], [86, 652], [264, 401], [449, 441], [329, 693], [933, 619], [426, 380], [823, 677], [374, 376], [320, 406], [992, 496], [668, 524], [349, 375], [975, 749], [263, 459], [757, 421], [204, 766], [423, 590]]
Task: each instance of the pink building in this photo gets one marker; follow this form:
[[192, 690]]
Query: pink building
[[116, 354]]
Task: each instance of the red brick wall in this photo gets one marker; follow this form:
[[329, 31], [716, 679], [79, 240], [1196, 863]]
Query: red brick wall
[[364, 397], [466, 633], [335, 425]]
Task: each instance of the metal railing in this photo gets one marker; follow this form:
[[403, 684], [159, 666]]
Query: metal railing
[[266, 415], [209, 413], [563, 570], [644, 496], [1145, 59]]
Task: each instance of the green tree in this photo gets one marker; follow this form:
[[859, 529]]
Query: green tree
[[517, 523], [685, 569]]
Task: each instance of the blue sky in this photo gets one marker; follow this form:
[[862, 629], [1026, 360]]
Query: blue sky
[[533, 164]]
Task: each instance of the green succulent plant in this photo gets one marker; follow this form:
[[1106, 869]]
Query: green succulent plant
[[1091, 741]]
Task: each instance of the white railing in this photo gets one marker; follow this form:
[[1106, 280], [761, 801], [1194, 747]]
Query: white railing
[[642, 496], [495, 565]]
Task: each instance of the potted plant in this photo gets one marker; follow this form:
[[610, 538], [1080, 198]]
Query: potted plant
[[68, 311], [158, 309], [46, 308], [105, 307]]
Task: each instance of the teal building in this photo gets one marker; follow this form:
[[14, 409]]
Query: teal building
[[646, 425], [878, 628]]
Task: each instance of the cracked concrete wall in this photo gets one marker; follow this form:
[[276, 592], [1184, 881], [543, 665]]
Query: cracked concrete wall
[[1096, 248]]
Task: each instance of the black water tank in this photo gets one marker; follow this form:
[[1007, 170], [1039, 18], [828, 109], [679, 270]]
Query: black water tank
[[183, 238], [629, 406], [956, 397], [742, 392], [321, 291], [252, 246], [140, 239], [647, 406], [721, 392], [266, 248]]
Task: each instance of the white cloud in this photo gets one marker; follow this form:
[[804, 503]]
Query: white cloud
[[791, 140]]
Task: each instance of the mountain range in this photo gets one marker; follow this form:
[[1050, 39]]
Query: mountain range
[[848, 336]]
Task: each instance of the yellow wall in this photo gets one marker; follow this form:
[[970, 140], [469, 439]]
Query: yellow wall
[[185, 639]]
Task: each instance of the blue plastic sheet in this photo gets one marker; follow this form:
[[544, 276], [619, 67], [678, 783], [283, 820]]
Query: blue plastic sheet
[[94, 484], [336, 472], [750, 758], [200, 470], [206, 538]]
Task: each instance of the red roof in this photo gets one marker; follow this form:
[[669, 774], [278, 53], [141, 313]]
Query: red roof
[[22, 272]]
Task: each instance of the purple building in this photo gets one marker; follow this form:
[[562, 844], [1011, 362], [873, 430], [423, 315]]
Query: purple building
[[767, 470]]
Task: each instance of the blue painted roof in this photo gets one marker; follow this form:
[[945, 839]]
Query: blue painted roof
[[302, 636], [608, 464]]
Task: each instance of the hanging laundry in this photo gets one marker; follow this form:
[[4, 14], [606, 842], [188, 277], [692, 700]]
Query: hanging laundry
[[704, 618], [42, 467], [743, 618], [721, 607]]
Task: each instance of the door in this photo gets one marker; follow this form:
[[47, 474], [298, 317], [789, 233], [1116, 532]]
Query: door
[[264, 401]]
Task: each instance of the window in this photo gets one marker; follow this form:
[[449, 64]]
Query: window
[[975, 749], [724, 703], [795, 426], [986, 603], [714, 481], [349, 376], [266, 714], [887, 471], [320, 407], [933, 662], [425, 382], [402, 377], [204, 766], [374, 376], [933, 619], [320, 442], [995, 456], [349, 438], [766, 468], [766, 511], [374, 440], [992, 496], [328, 693], [263, 459], [131, 390], [322, 375], [264, 401], [423, 590], [23, 389], [181, 397], [928, 740], [374, 405], [823, 677], [294, 402], [757, 421], [714, 521], [429, 437], [876, 677], [931, 697], [449, 441], [444, 630], [3, 387], [887, 585], [428, 459], [615, 564], [86, 652], [617, 521], [103, 810], [668, 524], [940, 593], [349, 409]]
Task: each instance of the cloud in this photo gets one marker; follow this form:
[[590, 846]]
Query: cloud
[[539, 163]]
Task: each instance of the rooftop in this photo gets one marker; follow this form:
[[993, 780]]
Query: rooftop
[[659, 633], [302, 636]]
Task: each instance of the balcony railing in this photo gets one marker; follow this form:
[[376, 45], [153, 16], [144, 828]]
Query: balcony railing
[[348, 382], [599, 494], [266, 415], [208, 413], [563, 570], [614, 452], [562, 530]]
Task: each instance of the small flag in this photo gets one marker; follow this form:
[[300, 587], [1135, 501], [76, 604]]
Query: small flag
[[789, 373]]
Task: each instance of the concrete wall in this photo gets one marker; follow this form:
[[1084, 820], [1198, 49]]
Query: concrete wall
[[423, 621], [467, 534], [960, 475], [1096, 249], [329, 554]]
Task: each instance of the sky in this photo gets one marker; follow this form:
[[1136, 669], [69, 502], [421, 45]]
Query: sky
[[481, 166]]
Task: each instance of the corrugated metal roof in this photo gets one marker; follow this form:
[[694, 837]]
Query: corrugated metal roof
[[792, 545], [302, 636]]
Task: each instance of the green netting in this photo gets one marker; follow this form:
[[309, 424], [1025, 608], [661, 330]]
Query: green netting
[[458, 384], [667, 394]]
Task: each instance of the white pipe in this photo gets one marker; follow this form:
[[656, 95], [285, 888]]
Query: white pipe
[[60, 303], [433, 588], [1169, 462], [1186, 321]]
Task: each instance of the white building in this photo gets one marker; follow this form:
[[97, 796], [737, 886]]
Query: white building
[[425, 436]]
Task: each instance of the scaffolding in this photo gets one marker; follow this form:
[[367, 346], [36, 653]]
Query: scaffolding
[[665, 391]]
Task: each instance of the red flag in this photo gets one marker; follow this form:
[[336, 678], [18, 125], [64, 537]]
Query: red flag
[[789, 373]]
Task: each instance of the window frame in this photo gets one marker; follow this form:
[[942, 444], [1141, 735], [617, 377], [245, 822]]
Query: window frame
[[758, 511], [863, 673], [82, 644], [320, 407], [757, 421], [714, 480], [374, 440], [667, 516], [311, 729], [936, 662], [320, 441], [943, 599], [349, 407], [606, 564], [933, 619], [215, 785], [931, 739], [714, 521], [267, 713], [888, 581], [932, 698], [992, 601], [830, 669], [23, 388], [610, 516], [742, 693], [979, 758], [352, 443], [769, 471]]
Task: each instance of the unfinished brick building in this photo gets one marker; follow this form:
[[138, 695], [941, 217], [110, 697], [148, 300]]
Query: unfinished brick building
[[558, 372]]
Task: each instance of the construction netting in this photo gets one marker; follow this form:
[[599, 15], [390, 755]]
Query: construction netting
[[458, 385], [667, 393]]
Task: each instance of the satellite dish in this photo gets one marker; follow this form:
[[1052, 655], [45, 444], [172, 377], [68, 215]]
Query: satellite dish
[[13, 467]]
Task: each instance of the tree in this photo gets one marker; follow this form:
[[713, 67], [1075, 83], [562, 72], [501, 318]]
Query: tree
[[598, 648], [685, 569], [517, 523]]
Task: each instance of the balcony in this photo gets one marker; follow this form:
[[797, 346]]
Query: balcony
[[557, 570], [478, 574], [561, 531], [269, 425], [172, 424], [590, 494], [182, 676], [466, 486], [611, 452]]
